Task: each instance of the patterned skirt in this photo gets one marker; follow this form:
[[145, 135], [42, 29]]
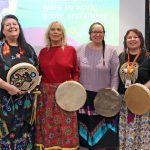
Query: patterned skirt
[[55, 128], [16, 131], [21, 138], [95, 131], [134, 130]]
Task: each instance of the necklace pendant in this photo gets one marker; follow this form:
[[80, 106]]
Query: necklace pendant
[[131, 70], [128, 70], [128, 73]]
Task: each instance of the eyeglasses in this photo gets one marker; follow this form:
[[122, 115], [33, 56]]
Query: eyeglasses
[[97, 32]]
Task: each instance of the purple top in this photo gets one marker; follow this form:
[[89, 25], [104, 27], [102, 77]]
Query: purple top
[[93, 74]]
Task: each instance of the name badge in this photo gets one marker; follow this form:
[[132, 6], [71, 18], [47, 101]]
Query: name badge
[[127, 83]]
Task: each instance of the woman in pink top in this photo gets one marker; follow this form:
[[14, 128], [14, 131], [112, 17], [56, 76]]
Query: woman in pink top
[[98, 69], [56, 129]]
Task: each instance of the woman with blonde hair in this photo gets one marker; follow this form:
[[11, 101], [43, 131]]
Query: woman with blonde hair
[[56, 128]]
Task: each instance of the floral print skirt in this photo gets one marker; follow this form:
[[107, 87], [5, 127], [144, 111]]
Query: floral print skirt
[[55, 128], [134, 130]]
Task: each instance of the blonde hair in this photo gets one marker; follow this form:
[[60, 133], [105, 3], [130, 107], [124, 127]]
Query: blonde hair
[[47, 38]]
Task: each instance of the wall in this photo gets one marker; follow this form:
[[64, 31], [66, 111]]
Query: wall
[[132, 15]]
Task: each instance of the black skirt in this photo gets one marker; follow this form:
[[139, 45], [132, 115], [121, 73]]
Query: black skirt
[[96, 131]]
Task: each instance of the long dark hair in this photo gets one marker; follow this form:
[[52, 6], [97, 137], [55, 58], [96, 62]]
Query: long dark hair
[[103, 42], [21, 39]]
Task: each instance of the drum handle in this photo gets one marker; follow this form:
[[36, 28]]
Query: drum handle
[[3, 129], [33, 115]]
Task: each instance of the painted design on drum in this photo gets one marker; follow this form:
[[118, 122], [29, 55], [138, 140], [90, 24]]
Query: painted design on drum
[[22, 78]]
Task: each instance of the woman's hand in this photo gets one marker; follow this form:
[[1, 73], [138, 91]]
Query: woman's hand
[[11, 89]]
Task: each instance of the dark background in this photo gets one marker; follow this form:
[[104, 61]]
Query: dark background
[[147, 24]]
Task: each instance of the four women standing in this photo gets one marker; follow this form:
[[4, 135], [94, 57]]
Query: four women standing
[[98, 63]]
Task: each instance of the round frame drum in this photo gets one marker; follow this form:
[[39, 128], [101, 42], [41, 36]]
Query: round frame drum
[[107, 102], [137, 99], [70, 95], [24, 76]]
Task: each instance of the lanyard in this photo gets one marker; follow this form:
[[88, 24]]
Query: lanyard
[[130, 66]]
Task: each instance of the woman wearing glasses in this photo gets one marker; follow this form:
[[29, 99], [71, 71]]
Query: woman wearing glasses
[[98, 67]]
